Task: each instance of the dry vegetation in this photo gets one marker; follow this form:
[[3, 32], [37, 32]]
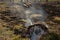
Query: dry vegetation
[[8, 23]]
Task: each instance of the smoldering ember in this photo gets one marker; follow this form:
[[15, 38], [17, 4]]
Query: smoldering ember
[[29, 19]]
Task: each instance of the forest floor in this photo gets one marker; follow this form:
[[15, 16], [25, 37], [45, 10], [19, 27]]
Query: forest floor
[[7, 22]]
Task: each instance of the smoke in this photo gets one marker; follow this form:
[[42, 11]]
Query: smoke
[[28, 20], [32, 15], [36, 32]]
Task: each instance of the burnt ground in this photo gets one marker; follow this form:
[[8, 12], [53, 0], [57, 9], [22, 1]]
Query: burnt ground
[[8, 22], [53, 19]]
